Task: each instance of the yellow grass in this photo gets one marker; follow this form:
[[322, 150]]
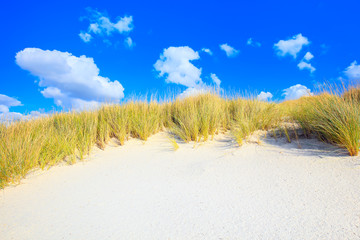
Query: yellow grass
[[247, 116], [332, 118], [198, 117], [174, 144], [44, 142]]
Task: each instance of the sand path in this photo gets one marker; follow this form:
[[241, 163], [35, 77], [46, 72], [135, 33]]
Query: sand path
[[213, 191]]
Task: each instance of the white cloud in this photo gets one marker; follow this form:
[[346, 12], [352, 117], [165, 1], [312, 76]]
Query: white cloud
[[10, 116], [304, 65], [308, 56], [295, 92], [291, 46], [193, 91], [230, 51], [36, 114], [129, 42], [85, 37], [6, 102], [175, 65], [95, 28], [201, 88], [102, 25], [15, 116], [215, 79], [4, 108], [250, 42], [124, 24], [353, 71], [73, 82], [207, 50], [265, 96]]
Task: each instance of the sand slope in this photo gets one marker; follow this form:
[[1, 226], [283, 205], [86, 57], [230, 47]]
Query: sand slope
[[213, 191]]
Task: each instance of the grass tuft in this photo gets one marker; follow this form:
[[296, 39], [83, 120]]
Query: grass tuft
[[332, 118], [174, 144]]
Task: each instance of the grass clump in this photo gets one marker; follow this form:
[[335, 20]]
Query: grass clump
[[44, 142], [333, 118], [20, 150], [352, 95], [145, 119], [174, 144], [198, 117], [248, 116]]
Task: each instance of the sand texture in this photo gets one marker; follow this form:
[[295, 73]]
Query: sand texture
[[213, 190]]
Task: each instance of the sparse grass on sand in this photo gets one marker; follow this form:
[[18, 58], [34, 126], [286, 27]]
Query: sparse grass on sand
[[44, 142]]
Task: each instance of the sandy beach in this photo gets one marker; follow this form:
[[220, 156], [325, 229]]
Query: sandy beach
[[212, 190]]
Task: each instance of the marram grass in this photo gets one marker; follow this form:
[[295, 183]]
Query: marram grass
[[332, 118], [196, 118], [44, 142], [247, 116]]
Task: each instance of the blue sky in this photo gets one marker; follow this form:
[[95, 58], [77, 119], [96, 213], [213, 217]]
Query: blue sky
[[159, 47]]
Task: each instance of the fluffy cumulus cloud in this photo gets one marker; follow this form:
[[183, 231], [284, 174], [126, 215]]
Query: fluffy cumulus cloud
[[36, 114], [85, 36], [15, 116], [6, 102], [101, 25], [73, 82], [10, 116], [193, 91], [175, 64], [295, 92], [291, 46], [253, 43], [353, 71], [229, 50], [265, 96], [305, 65], [215, 79], [201, 88], [207, 50], [4, 108], [308, 56]]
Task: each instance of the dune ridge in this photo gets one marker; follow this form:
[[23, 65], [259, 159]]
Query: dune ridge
[[207, 190]]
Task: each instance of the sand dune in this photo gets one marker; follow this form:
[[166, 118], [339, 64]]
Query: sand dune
[[213, 190]]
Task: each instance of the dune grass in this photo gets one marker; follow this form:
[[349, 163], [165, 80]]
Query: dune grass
[[196, 118], [250, 115], [44, 142], [333, 118], [352, 94]]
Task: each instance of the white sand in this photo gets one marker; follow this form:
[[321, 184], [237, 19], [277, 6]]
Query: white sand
[[213, 191]]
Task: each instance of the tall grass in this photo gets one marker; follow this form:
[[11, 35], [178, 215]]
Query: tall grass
[[333, 118], [198, 117], [145, 119], [248, 116], [352, 94], [44, 142]]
